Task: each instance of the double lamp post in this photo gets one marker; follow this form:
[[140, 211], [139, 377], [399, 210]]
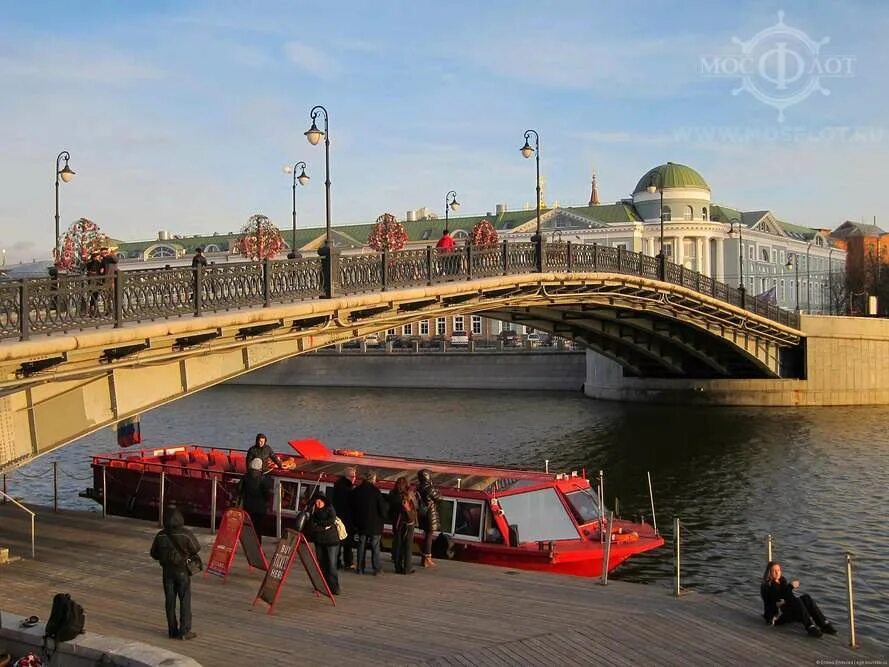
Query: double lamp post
[[299, 176]]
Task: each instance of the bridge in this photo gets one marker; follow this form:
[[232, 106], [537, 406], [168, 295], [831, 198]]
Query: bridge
[[81, 352]]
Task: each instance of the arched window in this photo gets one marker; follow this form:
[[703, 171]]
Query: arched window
[[667, 213], [161, 251], [689, 213], [704, 213], [460, 234], [211, 247]]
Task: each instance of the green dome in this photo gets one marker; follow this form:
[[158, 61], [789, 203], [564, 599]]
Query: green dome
[[672, 175]]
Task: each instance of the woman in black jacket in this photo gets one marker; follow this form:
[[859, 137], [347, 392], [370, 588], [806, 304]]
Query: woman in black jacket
[[780, 604], [403, 515], [428, 512], [255, 491], [322, 531]]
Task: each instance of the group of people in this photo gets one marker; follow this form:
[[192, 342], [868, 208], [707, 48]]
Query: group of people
[[100, 268]]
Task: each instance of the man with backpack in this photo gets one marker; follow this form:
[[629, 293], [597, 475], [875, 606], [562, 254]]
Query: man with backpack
[[176, 549]]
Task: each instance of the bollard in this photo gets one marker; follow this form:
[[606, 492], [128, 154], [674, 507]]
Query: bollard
[[160, 500], [278, 507], [55, 486], [852, 642], [608, 529], [769, 542], [546, 465], [213, 483], [104, 492], [676, 540]]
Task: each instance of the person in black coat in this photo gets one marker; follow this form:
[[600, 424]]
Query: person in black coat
[[341, 497], [261, 449], [322, 531], [428, 512], [171, 547], [369, 511], [780, 604], [255, 491], [403, 515]]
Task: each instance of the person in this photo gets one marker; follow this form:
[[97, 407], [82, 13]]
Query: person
[[342, 503], [93, 269], [171, 547], [108, 271], [198, 261], [446, 243], [428, 512], [780, 604], [261, 449], [403, 515], [369, 511], [255, 491], [322, 531]]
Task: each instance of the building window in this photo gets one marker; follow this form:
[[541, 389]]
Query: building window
[[774, 256], [162, 251], [783, 292], [751, 251], [407, 330], [764, 254], [460, 234], [704, 213], [689, 248], [424, 327], [782, 256], [667, 213], [668, 247], [390, 332], [689, 213], [440, 324], [476, 325], [458, 323]]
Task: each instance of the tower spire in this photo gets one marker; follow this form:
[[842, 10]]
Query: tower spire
[[594, 194]]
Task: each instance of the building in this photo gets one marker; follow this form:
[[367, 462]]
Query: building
[[865, 255]]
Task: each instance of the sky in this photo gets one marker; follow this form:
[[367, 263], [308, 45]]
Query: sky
[[179, 116]]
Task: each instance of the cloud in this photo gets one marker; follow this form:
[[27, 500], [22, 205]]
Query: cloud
[[310, 59], [77, 63]]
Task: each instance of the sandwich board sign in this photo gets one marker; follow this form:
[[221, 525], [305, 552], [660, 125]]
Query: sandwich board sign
[[291, 545], [236, 527]]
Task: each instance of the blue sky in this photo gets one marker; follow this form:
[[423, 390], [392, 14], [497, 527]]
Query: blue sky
[[180, 115]]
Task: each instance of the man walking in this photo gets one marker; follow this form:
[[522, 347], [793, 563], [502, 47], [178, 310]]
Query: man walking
[[369, 511], [172, 548]]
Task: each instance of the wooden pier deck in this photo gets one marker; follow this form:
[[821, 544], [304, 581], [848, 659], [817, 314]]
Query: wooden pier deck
[[455, 614]]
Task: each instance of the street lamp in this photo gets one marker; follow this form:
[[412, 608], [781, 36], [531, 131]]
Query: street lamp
[[303, 178], [808, 281], [793, 261], [313, 134], [451, 204], [66, 174], [731, 232], [527, 151], [662, 258]]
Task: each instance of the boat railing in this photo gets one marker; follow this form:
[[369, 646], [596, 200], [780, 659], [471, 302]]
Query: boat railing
[[9, 498]]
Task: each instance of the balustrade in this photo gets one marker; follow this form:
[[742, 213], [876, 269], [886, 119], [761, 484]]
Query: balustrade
[[73, 302]]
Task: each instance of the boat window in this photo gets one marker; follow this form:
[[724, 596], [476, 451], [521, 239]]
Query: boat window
[[539, 515], [584, 505], [446, 515], [468, 521]]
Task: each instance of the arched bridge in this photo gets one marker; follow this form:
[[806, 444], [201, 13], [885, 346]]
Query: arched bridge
[[84, 352]]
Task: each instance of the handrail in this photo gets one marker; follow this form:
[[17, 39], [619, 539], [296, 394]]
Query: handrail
[[75, 302], [33, 519]]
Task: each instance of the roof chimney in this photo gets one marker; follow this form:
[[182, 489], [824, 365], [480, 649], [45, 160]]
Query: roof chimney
[[594, 195], [501, 209], [411, 216]]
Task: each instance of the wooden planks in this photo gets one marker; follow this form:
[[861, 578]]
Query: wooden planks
[[455, 614]]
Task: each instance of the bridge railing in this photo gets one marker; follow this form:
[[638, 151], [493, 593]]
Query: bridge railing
[[75, 302]]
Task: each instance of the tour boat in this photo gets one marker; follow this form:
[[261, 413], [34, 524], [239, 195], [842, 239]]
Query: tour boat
[[553, 522]]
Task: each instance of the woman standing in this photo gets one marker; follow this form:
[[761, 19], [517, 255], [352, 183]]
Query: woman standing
[[403, 512], [428, 512], [322, 531]]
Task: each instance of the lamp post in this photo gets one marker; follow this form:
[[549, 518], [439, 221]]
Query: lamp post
[[662, 258], [793, 261], [451, 204], [830, 279], [66, 174], [313, 134], [731, 232], [527, 151], [808, 281], [302, 178]]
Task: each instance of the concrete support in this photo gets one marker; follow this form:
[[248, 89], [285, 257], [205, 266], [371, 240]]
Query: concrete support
[[699, 263], [719, 270], [678, 242]]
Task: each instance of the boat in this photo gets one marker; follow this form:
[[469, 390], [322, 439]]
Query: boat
[[523, 519]]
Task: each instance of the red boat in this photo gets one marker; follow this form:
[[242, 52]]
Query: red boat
[[500, 516]]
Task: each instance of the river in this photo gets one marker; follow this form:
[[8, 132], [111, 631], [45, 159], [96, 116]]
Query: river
[[815, 478]]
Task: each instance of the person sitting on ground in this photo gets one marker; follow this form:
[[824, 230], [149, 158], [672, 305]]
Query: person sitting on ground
[[263, 451], [255, 491], [322, 531], [782, 606], [172, 546]]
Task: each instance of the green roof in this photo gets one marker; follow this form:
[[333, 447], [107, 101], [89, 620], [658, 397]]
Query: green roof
[[611, 213], [671, 175]]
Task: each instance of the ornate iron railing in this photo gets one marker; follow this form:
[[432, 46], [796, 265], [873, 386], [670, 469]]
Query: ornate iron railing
[[69, 303]]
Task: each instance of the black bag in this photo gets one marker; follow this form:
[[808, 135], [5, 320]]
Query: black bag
[[193, 562], [65, 620]]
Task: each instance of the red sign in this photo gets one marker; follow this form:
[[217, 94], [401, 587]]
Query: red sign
[[293, 544], [235, 527]]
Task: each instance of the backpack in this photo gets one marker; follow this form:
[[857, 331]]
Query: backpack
[[65, 620]]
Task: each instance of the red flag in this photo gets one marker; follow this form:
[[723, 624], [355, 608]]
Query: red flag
[[129, 432]]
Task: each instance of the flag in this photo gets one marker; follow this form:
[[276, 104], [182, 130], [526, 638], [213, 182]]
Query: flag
[[769, 296], [128, 432]]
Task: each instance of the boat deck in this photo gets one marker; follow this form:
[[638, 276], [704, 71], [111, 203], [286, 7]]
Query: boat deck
[[455, 614]]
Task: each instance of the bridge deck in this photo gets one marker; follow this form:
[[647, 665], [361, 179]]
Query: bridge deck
[[456, 614]]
